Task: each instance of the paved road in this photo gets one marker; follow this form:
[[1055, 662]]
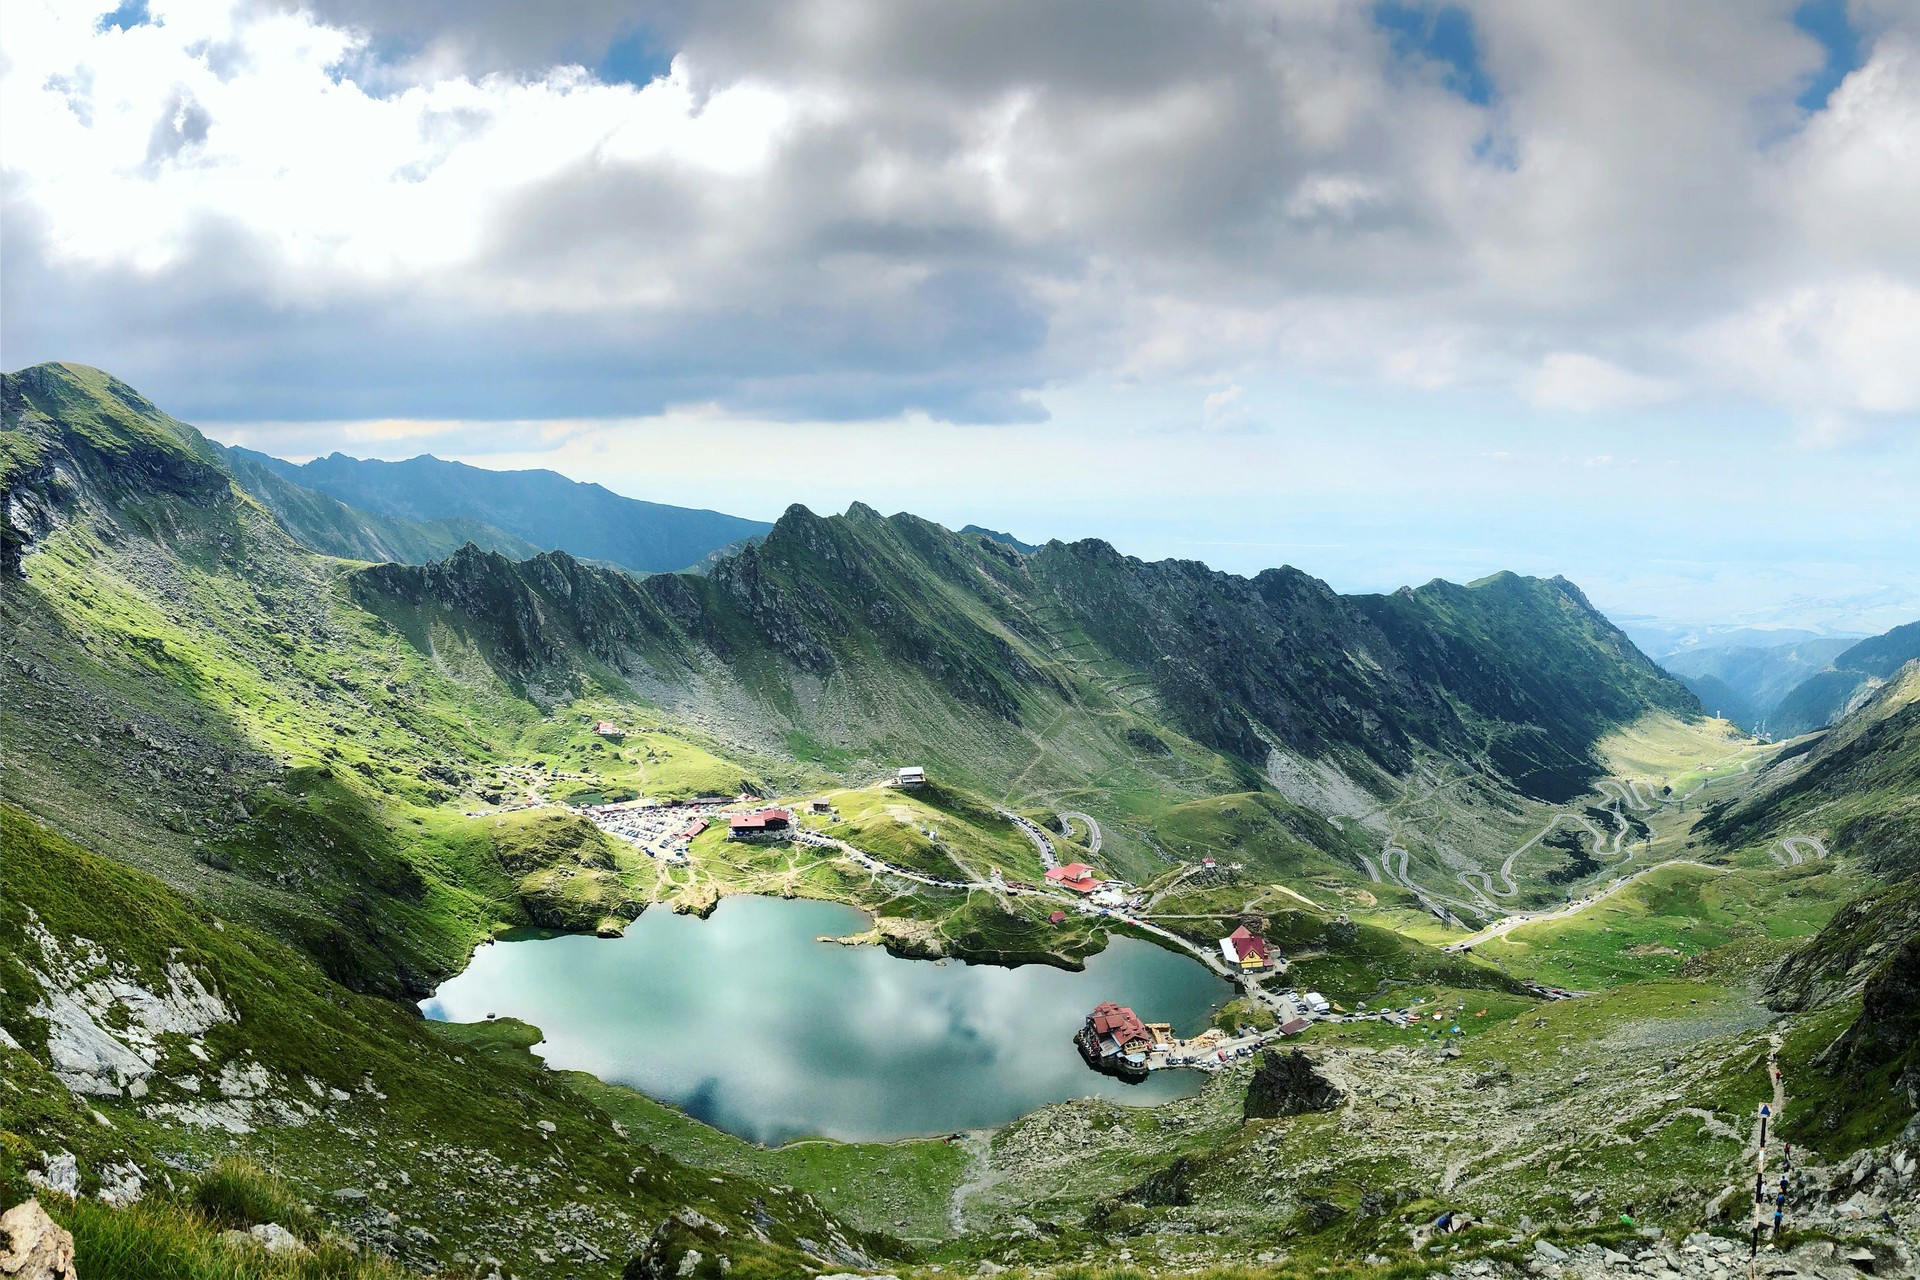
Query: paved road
[[1070, 816], [1041, 840], [1787, 852]]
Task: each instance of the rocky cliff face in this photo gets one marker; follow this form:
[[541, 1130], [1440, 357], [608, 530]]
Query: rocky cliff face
[[1519, 674], [1288, 1084]]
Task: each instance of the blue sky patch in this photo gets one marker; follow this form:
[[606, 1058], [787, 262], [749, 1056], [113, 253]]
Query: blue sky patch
[[1438, 33], [1826, 21], [131, 13], [634, 58]]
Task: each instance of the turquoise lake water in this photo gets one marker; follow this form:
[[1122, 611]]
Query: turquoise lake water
[[747, 1022]]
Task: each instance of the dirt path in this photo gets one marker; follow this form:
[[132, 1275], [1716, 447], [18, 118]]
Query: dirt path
[[980, 1176], [1769, 1127]]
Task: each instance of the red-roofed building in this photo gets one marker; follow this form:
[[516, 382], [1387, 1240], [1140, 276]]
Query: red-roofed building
[[608, 729], [760, 824], [1114, 1039], [1056, 917], [1246, 950], [1294, 1026], [1077, 876]]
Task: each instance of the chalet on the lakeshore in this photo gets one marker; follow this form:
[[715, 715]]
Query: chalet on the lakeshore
[[910, 776], [1077, 876], [1245, 950], [761, 824], [1113, 1030]]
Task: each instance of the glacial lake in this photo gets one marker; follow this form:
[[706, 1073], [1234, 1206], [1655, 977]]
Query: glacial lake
[[747, 1022]]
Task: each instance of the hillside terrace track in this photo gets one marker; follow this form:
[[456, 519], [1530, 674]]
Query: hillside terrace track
[[1427, 898], [1608, 847]]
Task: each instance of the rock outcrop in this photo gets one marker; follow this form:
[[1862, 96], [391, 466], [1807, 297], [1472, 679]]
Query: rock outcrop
[[1287, 1084], [34, 1246]]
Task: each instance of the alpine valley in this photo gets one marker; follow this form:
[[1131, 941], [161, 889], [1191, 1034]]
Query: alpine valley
[[281, 746]]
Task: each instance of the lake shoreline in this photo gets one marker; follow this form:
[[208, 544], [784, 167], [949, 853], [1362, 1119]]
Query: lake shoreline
[[745, 1022]]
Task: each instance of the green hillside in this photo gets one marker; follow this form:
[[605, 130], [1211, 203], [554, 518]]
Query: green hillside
[[256, 1054], [1854, 785], [259, 798], [1856, 672]]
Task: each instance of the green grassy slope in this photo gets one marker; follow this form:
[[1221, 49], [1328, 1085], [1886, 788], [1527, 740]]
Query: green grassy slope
[[314, 758], [1826, 695], [1858, 786], [359, 1088]]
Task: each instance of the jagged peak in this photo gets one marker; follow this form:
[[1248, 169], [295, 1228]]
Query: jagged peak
[[470, 553], [861, 511]]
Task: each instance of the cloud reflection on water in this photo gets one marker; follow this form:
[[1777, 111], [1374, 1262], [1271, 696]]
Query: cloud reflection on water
[[747, 1022]]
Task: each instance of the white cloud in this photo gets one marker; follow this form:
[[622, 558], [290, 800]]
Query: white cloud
[[851, 209]]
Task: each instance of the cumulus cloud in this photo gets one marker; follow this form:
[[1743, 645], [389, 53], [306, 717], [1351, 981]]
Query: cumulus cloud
[[861, 208]]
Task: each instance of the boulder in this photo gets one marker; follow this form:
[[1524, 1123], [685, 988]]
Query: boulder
[[677, 1251], [275, 1238], [33, 1246], [58, 1173], [1287, 1084]]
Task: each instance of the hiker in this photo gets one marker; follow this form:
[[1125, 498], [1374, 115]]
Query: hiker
[[1626, 1216]]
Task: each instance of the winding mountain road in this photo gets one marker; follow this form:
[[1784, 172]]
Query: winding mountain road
[[1070, 816], [1037, 834], [1787, 852]]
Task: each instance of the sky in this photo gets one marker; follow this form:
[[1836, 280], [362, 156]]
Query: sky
[[1626, 291]]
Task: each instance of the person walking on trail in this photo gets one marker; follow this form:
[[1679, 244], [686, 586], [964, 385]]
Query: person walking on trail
[[1626, 1216]]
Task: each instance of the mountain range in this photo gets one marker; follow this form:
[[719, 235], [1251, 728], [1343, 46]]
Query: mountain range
[[285, 744], [423, 508], [1796, 686]]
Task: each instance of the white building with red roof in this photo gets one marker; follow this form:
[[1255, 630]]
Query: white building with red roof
[[1246, 950], [761, 824], [1077, 876]]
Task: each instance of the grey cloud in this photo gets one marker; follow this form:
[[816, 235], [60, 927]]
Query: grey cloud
[[482, 36], [1000, 196], [182, 124], [201, 338]]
